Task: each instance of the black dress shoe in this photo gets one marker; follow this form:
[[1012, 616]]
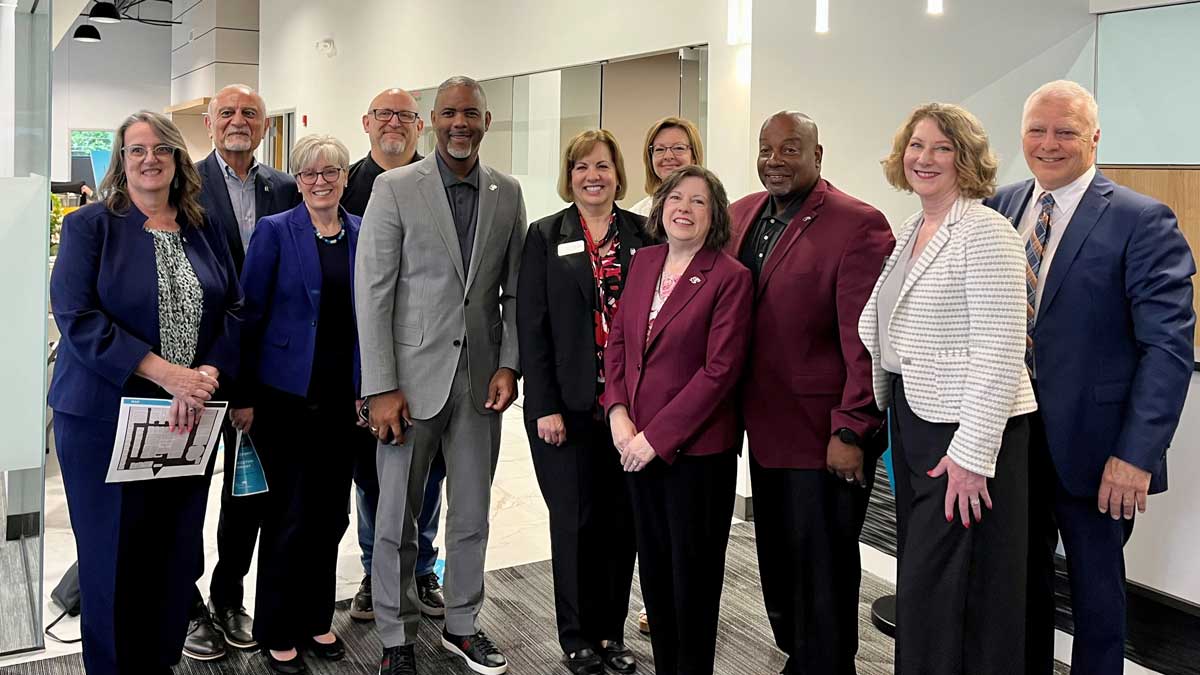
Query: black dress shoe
[[617, 657], [398, 661], [478, 651], [334, 651], [429, 595], [290, 667], [236, 624], [362, 608], [584, 662], [203, 642]]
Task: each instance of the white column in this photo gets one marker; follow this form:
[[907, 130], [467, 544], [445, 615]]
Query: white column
[[8, 86]]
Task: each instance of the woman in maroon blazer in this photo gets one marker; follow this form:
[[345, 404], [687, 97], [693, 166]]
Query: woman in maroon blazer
[[675, 352]]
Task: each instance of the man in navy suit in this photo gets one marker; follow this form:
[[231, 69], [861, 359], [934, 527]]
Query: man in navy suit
[[237, 191], [1110, 353]]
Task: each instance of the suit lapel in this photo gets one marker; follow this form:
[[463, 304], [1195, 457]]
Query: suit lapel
[[743, 225], [934, 246], [579, 264], [221, 202], [430, 184], [690, 282], [488, 196], [639, 302], [263, 184], [800, 222], [304, 243], [1016, 209], [631, 240], [1087, 214]]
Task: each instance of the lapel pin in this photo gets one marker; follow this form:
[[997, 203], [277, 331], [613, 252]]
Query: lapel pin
[[694, 280], [492, 187], [807, 218]]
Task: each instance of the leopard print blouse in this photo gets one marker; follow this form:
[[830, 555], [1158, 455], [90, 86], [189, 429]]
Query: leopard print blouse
[[180, 299]]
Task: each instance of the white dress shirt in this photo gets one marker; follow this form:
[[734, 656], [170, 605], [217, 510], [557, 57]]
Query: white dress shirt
[[1066, 200]]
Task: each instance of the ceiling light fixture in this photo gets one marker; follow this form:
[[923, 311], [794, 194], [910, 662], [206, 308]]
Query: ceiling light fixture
[[934, 7], [104, 12], [822, 16], [86, 33]]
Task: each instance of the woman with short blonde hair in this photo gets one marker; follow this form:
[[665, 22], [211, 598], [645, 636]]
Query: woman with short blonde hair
[[298, 399], [946, 329]]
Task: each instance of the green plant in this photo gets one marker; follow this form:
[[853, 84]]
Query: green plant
[[56, 218]]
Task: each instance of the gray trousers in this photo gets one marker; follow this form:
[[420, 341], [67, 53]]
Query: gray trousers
[[471, 445]]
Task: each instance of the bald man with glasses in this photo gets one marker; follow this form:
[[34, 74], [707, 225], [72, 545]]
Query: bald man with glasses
[[394, 125]]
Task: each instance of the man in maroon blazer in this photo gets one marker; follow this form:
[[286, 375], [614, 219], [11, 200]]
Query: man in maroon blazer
[[815, 253]]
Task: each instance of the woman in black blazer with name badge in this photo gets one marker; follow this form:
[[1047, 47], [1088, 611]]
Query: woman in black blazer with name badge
[[572, 273]]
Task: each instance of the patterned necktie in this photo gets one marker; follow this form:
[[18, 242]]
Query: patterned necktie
[[1035, 246]]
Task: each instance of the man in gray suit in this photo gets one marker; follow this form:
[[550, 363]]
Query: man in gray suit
[[435, 294]]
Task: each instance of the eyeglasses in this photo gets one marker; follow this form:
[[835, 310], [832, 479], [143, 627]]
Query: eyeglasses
[[676, 150], [139, 152], [385, 115], [330, 174]]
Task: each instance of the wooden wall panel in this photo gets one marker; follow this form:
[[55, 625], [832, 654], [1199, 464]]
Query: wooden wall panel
[[1177, 187]]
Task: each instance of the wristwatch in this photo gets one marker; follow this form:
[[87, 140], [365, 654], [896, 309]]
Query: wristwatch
[[847, 436]]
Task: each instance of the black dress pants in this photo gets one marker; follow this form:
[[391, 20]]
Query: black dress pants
[[682, 514], [806, 525], [307, 452], [960, 592], [592, 541], [237, 533]]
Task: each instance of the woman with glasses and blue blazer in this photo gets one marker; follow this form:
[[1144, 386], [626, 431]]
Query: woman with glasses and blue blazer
[[298, 402], [146, 298]]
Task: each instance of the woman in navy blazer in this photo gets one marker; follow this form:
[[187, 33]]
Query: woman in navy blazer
[[674, 355], [143, 254], [297, 400]]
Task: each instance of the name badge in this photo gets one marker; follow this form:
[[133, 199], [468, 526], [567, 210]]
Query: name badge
[[570, 247]]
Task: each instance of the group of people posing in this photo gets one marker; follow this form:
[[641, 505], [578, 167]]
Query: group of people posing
[[370, 323]]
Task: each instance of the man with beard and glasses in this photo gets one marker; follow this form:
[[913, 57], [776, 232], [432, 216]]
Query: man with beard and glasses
[[435, 294], [237, 191], [393, 123]]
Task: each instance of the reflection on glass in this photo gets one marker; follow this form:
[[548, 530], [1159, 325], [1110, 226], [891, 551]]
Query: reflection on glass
[[534, 116]]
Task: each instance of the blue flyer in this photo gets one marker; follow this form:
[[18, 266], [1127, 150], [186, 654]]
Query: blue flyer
[[248, 476]]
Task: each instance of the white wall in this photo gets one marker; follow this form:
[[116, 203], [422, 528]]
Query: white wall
[[1102, 6], [882, 59], [382, 43], [95, 85], [1164, 552]]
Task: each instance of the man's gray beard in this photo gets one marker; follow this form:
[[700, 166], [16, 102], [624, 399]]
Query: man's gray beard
[[393, 147], [238, 144], [459, 154]]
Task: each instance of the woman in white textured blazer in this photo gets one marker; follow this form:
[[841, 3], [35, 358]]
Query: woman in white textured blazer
[[946, 330]]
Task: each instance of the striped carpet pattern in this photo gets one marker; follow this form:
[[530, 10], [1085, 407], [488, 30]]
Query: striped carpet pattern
[[519, 616]]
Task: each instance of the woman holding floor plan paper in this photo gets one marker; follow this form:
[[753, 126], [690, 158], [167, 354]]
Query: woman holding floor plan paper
[[148, 304]]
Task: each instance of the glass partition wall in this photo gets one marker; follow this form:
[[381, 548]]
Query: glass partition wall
[[534, 116], [25, 231]]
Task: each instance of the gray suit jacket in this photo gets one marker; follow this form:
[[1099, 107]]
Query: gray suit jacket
[[413, 298]]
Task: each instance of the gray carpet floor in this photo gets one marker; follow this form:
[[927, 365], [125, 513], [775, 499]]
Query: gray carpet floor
[[519, 616]]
